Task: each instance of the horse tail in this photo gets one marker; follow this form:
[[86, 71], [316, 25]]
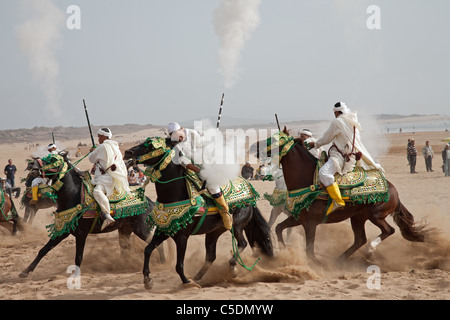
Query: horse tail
[[258, 232], [405, 221]]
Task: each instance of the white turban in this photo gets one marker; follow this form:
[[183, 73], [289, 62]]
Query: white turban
[[51, 146], [105, 132], [342, 107], [173, 126], [307, 132]]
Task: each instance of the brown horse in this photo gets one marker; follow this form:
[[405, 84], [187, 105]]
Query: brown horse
[[299, 167], [8, 212]]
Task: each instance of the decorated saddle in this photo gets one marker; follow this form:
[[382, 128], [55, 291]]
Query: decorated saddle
[[122, 205], [45, 192], [357, 187], [169, 218]]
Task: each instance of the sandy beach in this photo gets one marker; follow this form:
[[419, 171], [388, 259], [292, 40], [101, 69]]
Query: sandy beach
[[408, 271]]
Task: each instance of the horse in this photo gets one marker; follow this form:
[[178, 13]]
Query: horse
[[43, 202], [69, 196], [171, 187], [299, 167], [278, 198], [8, 212]]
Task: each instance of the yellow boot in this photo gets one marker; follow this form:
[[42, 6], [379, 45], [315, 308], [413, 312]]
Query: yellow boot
[[336, 197], [224, 211], [34, 193]]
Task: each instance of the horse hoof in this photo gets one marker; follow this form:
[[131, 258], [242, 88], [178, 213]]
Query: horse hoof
[[24, 274], [191, 284], [148, 283], [233, 271]]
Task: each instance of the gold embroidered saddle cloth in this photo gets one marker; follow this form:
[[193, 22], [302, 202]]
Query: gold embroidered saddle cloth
[[357, 187], [169, 218], [122, 205]]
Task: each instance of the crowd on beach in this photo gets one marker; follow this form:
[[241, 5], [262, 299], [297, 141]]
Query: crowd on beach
[[428, 154]]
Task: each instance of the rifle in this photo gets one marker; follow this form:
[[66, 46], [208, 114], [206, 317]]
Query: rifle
[[278, 123], [220, 112], [89, 124]]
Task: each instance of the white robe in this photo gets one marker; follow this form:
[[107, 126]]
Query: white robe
[[341, 134], [107, 154]]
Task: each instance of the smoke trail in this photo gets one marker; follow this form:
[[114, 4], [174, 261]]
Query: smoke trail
[[39, 37], [234, 22], [219, 160]]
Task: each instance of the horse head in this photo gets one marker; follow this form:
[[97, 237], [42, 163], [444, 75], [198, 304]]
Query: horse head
[[150, 151], [276, 145]]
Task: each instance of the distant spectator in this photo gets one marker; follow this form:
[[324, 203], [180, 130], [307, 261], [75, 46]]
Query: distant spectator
[[10, 171], [428, 154], [446, 159], [412, 153], [247, 171]]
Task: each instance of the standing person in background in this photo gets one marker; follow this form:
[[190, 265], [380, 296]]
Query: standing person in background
[[412, 153], [446, 159], [247, 171], [407, 153], [428, 154], [10, 171]]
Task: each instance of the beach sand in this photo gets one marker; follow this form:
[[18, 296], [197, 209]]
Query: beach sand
[[408, 270]]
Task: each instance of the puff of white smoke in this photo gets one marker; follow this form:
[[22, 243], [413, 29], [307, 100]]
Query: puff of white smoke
[[234, 22], [219, 161], [39, 37]]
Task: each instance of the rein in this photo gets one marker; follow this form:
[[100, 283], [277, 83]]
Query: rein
[[54, 167], [154, 171]]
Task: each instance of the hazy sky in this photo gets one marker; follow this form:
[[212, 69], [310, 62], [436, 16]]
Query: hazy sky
[[157, 61]]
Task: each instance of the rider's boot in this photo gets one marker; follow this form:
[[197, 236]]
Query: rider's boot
[[107, 220], [34, 193], [224, 210], [335, 194]]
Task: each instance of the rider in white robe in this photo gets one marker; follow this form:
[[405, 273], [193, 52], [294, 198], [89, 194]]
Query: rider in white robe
[[189, 146], [110, 172], [344, 133]]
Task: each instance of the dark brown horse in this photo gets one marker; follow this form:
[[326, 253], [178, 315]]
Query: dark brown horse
[[299, 167]]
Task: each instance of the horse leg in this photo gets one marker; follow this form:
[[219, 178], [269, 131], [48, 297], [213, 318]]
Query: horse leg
[[124, 238], [156, 241], [274, 213], [386, 231], [181, 241], [141, 229], [49, 246], [80, 241], [210, 246], [26, 214], [359, 232], [32, 215], [288, 223], [241, 244], [310, 236]]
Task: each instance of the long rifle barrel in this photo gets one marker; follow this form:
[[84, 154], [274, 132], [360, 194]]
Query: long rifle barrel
[[89, 123], [220, 111]]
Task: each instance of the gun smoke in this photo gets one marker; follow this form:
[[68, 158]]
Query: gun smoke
[[39, 37], [234, 22]]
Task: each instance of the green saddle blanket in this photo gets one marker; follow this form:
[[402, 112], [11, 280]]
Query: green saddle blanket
[[169, 218], [122, 205], [357, 187]]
